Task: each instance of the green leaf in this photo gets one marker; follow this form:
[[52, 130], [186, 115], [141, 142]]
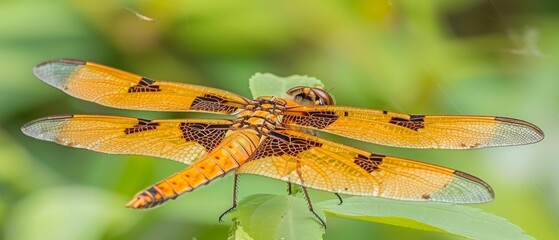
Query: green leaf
[[265, 216], [267, 84], [238, 233], [429, 216]]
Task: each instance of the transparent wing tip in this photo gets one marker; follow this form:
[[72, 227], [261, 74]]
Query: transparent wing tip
[[465, 189], [57, 72], [519, 131], [43, 128]]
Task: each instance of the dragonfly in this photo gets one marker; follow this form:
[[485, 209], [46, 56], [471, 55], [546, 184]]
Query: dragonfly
[[270, 136]]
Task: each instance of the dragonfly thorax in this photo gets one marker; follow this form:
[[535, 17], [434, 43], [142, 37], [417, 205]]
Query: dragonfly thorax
[[263, 114]]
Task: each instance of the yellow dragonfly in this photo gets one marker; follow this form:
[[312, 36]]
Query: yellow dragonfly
[[270, 136]]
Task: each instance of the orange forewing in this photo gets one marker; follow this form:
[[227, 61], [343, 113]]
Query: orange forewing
[[414, 131], [116, 88]]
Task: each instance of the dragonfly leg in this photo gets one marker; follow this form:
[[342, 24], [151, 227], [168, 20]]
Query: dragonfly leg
[[235, 183], [339, 198], [311, 207], [307, 196], [289, 188]]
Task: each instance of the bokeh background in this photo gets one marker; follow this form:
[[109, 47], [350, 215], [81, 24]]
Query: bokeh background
[[490, 57]]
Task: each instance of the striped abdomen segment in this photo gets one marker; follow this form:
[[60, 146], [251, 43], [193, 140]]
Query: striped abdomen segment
[[229, 155]]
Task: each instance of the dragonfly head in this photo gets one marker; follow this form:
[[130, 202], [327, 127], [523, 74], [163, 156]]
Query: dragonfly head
[[314, 95]]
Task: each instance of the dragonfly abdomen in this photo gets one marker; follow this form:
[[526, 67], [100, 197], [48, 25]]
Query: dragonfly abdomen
[[229, 155]]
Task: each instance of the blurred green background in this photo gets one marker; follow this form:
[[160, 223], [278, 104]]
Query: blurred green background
[[485, 57]]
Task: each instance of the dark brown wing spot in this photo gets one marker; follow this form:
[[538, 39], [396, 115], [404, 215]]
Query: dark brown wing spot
[[369, 163], [143, 125], [277, 144], [207, 135], [475, 145], [316, 119], [212, 103], [145, 85], [414, 123]]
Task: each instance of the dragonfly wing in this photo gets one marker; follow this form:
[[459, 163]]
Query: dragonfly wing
[[313, 162], [119, 89], [179, 139], [415, 131]]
